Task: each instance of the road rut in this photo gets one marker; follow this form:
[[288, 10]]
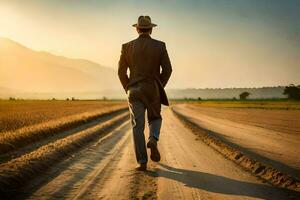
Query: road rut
[[189, 169]]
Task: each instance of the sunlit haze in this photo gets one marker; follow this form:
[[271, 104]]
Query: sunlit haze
[[212, 44]]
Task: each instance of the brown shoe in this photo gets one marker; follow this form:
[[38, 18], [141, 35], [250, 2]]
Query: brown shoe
[[152, 144], [141, 167]]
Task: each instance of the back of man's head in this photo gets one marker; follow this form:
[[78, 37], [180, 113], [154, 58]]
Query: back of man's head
[[144, 30]]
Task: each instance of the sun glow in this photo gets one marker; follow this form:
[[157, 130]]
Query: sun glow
[[214, 49], [8, 19]]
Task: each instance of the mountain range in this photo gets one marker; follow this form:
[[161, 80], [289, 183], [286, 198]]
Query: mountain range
[[26, 70], [30, 74]]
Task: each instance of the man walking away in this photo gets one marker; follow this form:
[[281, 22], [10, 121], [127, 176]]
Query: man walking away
[[144, 86]]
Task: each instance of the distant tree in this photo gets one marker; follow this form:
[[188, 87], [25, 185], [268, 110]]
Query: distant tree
[[199, 99], [53, 99], [67, 99], [12, 98], [292, 91], [244, 95], [234, 98], [73, 99], [104, 98]]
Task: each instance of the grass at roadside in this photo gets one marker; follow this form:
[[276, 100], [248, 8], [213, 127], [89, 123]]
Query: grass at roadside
[[14, 139], [257, 104], [22, 113]]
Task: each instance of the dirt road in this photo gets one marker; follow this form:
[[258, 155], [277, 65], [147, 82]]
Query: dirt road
[[189, 169], [270, 136]]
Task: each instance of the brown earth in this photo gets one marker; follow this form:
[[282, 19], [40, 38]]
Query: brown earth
[[189, 169], [270, 136]]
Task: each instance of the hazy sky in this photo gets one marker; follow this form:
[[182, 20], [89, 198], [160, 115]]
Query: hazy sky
[[211, 43]]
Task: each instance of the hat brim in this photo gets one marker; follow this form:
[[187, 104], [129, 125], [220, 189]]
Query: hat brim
[[150, 26]]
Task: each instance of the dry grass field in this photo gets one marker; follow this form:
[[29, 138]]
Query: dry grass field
[[256, 104], [26, 122], [17, 114]]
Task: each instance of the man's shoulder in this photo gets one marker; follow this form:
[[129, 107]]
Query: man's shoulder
[[158, 42], [128, 43]]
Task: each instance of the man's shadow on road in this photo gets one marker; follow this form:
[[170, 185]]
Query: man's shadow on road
[[220, 184]]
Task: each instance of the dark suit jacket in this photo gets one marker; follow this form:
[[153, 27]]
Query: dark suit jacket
[[144, 56]]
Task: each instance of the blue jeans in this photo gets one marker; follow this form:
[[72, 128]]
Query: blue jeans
[[137, 116]]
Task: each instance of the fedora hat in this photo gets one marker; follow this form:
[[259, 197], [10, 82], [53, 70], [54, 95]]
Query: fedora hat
[[144, 22]]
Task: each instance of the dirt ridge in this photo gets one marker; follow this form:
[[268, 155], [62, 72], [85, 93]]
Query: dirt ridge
[[14, 140], [261, 170], [16, 173]]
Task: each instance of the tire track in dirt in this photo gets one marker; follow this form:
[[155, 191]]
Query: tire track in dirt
[[104, 170], [22, 137], [15, 173], [35, 145], [85, 171], [189, 169]]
